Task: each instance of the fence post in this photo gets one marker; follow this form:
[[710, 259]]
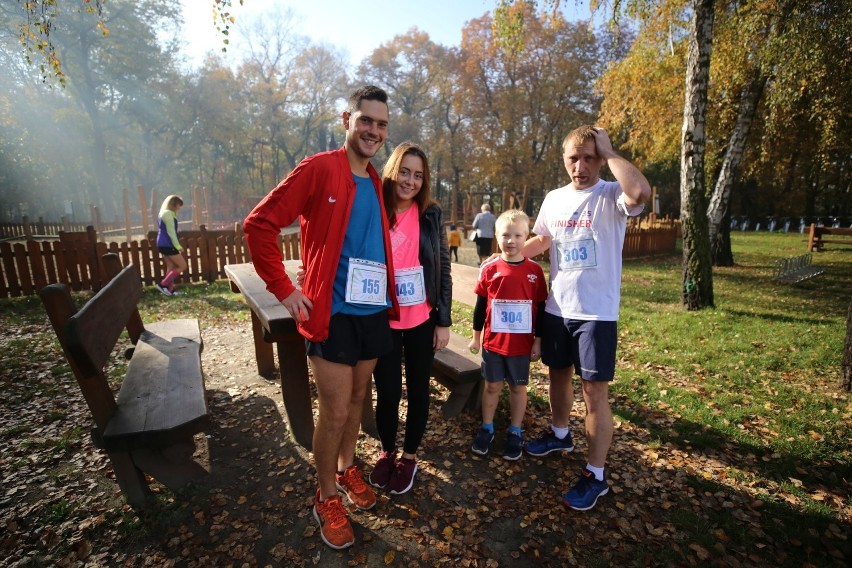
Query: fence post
[[127, 228], [143, 208], [28, 230]]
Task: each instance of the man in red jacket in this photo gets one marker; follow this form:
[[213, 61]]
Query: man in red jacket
[[343, 307]]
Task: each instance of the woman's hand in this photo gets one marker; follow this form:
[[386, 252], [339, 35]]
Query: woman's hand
[[440, 338]]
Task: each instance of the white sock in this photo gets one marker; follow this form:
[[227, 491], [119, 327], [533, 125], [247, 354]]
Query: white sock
[[560, 432], [598, 471]]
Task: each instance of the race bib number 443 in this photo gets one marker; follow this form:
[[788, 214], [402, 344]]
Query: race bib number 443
[[410, 289], [367, 283]]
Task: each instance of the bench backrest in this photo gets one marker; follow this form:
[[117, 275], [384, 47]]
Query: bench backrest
[[91, 333], [88, 336]]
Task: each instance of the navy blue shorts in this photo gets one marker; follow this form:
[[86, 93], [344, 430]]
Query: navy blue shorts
[[587, 345], [168, 251], [514, 369], [354, 338]]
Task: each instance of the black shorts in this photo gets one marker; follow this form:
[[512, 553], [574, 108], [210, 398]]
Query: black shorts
[[168, 251], [483, 246], [354, 338], [587, 345], [514, 369]]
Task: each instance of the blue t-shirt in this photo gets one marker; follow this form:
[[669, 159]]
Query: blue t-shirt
[[363, 240]]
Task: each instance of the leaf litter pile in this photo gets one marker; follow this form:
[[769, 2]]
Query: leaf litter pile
[[669, 505]]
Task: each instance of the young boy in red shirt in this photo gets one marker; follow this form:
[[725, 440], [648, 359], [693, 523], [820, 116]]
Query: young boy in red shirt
[[511, 293]]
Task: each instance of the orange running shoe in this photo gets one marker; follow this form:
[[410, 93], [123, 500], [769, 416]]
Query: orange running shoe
[[358, 492], [335, 529]]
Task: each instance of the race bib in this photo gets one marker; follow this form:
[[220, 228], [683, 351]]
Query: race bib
[[367, 283], [577, 252], [511, 316], [410, 287]]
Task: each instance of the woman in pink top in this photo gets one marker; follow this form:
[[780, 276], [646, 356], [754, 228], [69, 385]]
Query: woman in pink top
[[421, 260]]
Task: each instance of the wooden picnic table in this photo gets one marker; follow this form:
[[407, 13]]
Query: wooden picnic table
[[272, 324]]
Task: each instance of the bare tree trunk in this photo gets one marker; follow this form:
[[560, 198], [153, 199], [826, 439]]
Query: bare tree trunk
[[697, 267], [717, 212], [846, 365]]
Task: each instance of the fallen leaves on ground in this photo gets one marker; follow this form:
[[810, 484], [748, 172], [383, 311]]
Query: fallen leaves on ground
[[670, 504]]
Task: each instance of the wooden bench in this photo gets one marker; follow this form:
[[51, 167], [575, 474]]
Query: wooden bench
[[816, 240], [457, 369], [149, 428], [796, 269]]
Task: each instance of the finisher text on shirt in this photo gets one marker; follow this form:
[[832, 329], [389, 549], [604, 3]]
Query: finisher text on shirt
[[571, 223]]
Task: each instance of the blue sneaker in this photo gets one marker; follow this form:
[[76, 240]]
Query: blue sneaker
[[585, 493], [514, 444], [547, 443], [482, 441]]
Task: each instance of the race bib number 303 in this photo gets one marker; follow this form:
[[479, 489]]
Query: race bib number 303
[[577, 253], [511, 316], [367, 283]]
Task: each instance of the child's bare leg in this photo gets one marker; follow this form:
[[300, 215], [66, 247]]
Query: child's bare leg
[[490, 398], [517, 404]]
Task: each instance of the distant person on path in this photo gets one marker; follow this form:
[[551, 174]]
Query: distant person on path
[[421, 262], [169, 245], [483, 224], [344, 306], [454, 239], [511, 291], [582, 225]]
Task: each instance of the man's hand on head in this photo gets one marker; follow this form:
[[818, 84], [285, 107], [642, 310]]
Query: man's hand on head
[[603, 143]]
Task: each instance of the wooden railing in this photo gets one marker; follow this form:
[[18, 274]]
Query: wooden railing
[[75, 258]]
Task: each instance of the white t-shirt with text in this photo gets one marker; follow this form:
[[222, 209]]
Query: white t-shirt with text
[[587, 231]]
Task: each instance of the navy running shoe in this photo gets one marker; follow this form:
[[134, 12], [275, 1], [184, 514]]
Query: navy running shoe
[[547, 443], [482, 441], [585, 493], [514, 444]]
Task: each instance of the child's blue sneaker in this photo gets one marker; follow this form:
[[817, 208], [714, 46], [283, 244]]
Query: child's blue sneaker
[[482, 441], [547, 443], [585, 493], [514, 443]]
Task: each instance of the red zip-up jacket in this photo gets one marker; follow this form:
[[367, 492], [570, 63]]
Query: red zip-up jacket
[[320, 190]]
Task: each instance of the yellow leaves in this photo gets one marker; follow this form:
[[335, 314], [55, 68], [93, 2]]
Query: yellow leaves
[[816, 436], [700, 551]]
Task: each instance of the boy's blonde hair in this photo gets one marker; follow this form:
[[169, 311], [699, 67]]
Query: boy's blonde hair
[[513, 216]]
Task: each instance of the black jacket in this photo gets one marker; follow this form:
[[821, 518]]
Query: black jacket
[[435, 259]]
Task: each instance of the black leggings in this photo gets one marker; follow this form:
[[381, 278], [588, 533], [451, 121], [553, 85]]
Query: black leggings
[[416, 343]]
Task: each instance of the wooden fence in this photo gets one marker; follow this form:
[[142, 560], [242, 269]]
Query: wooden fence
[[75, 258]]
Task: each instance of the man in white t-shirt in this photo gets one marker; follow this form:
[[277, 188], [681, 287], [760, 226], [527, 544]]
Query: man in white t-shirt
[[583, 226]]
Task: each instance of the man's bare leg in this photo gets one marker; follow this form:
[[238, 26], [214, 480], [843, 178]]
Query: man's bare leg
[[335, 383], [362, 374], [599, 427], [561, 395]]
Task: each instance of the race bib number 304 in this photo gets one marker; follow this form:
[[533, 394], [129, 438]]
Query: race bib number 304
[[577, 253], [511, 316], [367, 283]]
